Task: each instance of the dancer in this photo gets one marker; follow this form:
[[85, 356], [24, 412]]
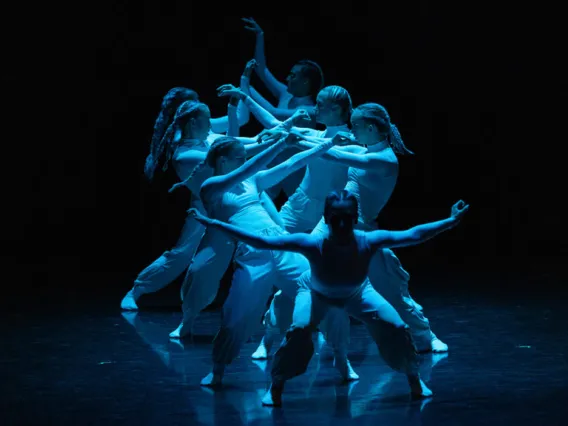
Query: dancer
[[212, 258], [232, 194], [372, 178], [186, 142], [339, 262], [304, 208], [303, 83]]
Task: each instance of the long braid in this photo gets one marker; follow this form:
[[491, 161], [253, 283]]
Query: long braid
[[173, 99], [221, 147], [378, 115], [395, 140]]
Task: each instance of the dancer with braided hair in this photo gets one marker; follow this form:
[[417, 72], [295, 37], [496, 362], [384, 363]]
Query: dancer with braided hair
[[303, 210], [372, 176], [339, 261], [185, 142], [232, 194], [211, 255]]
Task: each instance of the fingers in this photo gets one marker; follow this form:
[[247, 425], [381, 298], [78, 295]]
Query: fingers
[[225, 87]]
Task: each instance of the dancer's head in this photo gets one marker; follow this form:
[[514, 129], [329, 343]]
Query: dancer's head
[[333, 106], [371, 124], [171, 102], [225, 155], [192, 120], [305, 79], [340, 213]]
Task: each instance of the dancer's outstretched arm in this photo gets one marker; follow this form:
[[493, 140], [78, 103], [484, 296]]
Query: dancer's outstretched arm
[[417, 234], [299, 243], [277, 88], [237, 107], [222, 183], [263, 115], [350, 157], [268, 178]]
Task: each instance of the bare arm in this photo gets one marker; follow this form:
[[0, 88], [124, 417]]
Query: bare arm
[[418, 234], [253, 148], [360, 160], [278, 113], [222, 183], [268, 178], [221, 124], [276, 87], [234, 128], [299, 243], [189, 157]]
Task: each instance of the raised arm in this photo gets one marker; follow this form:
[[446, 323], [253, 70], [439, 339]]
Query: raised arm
[[417, 234], [276, 87], [268, 178], [222, 183], [299, 243], [265, 117], [278, 113], [385, 160]]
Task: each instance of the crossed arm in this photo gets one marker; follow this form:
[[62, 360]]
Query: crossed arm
[[353, 156]]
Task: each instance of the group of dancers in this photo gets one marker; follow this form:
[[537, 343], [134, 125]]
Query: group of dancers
[[322, 250]]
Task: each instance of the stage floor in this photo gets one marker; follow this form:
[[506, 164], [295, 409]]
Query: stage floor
[[97, 366]]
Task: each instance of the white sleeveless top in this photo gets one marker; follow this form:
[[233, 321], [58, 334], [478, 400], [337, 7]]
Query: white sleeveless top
[[323, 176], [372, 188]]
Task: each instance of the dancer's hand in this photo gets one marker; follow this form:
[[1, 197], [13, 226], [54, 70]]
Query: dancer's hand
[[249, 68], [196, 214], [343, 138], [458, 210], [271, 135], [299, 116], [230, 90], [252, 26]]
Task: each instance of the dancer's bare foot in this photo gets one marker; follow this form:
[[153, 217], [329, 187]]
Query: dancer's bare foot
[[273, 396], [418, 388], [183, 330], [320, 343], [212, 380], [344, 367], [263, 349], [129, 302], [438, 346]]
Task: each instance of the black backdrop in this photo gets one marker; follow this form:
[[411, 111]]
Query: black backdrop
[[477, 91]]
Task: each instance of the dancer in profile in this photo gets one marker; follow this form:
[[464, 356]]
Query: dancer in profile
[[303, 210], [303, 83], [232, 194], [372, 177], [339, 262], [185, 143]]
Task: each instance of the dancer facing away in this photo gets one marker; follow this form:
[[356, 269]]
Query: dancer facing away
[[185, 142], [339, 262], [232, 194]]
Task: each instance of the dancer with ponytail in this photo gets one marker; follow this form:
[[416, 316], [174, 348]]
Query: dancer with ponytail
[[339, 261], [186, 143], [232, 195], [372, 177], [304, 209]]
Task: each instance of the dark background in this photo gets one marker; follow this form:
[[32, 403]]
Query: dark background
[[477, 90]]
